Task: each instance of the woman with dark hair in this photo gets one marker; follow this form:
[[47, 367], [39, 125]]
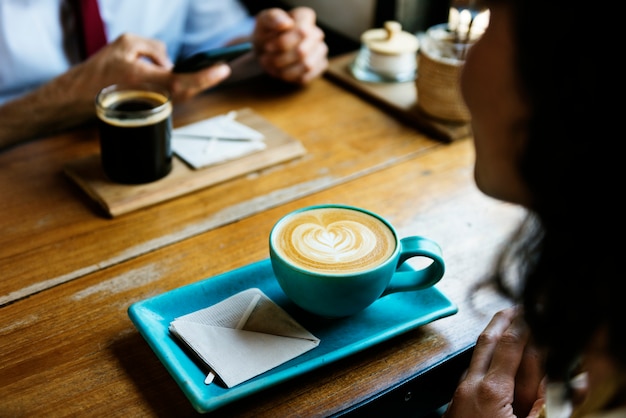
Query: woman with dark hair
[[544, 133]]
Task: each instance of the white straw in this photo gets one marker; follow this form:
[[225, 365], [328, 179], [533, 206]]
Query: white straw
[[248, 311]]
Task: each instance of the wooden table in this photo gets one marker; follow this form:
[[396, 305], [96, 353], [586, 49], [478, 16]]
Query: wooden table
[[69, 273]]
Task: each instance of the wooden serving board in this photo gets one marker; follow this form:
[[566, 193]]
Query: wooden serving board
[[397, 98], [118, 199]]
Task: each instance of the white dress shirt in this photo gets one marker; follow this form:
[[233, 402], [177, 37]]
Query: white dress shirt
[[38, 38]]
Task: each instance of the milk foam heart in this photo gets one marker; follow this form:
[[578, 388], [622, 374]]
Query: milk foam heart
[[334, 240]]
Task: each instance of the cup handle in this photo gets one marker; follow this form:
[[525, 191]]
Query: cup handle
[[405, 280]]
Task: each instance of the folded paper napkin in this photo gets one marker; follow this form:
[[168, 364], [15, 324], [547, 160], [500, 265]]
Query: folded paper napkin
[[215, 140], [243, 336]]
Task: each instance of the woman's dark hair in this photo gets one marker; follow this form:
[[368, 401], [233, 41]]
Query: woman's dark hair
[[568, 252]]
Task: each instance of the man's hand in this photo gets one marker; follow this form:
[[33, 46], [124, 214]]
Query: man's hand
[[68, 100], [132, 59], [289, 45]]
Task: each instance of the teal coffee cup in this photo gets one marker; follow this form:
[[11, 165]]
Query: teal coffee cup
[[336, 260]]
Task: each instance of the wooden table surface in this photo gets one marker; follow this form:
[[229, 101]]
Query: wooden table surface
[[69, 273]]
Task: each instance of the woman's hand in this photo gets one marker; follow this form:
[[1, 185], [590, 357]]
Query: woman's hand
[[505, 377]]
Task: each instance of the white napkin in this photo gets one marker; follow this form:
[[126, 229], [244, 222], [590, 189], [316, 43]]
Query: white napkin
[[215, 140], [243, 336]]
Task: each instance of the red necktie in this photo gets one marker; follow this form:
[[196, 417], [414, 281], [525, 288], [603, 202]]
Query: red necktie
[[91, 26]]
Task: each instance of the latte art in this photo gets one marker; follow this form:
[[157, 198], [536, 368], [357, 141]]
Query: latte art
[[339, 242], [334, 240]]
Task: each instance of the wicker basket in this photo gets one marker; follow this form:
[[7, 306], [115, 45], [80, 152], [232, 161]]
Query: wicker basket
[[438, 92]]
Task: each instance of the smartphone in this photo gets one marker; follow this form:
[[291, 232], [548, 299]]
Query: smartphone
[[207, 58]]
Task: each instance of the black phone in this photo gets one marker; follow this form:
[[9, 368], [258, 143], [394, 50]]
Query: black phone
[[207, 58]]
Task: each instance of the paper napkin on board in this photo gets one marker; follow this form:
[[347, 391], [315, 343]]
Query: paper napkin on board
[[243, 336], [215, 140]]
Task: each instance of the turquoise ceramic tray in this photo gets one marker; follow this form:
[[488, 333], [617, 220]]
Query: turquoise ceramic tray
[[386, 318]]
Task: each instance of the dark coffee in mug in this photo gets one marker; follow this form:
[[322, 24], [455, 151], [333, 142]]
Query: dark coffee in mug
[[135, 126]]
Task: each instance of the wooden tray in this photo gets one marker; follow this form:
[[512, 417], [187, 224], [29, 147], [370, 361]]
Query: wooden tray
[[118, 199], [399, 99]]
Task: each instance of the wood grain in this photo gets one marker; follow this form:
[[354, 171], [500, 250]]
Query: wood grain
[[71, 350], [47, 217], [70, 272]]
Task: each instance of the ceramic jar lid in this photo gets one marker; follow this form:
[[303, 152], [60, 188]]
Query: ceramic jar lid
[[390, 40], [387, 54]]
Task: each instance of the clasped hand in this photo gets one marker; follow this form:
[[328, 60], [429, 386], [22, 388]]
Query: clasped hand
[[287, 45]]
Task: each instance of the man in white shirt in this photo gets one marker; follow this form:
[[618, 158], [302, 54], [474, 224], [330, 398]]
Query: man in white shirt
[[45, 87]]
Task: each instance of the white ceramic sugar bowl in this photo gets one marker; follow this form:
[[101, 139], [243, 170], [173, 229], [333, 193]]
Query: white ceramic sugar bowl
[[386, 55]]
